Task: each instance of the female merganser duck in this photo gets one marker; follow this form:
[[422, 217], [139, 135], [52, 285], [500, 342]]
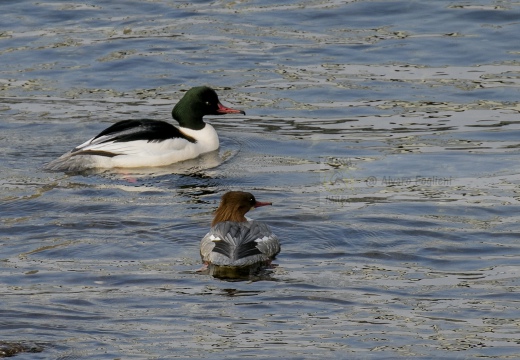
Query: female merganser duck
[[146, 143], [235, 244]]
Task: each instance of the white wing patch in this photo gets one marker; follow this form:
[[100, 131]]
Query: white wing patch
[[137, 147], [264, 239], [214, 238]]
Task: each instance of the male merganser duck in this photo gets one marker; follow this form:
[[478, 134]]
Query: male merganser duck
[[234, 243], [148, 143]]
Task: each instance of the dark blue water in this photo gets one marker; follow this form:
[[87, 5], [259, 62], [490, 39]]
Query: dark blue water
[[385, 133]]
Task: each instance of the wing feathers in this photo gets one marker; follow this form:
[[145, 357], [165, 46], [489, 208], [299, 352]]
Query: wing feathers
[[239, 243], [144, 129], [129, 137]]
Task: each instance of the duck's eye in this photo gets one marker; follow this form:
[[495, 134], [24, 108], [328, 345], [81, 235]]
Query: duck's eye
[[207, 103]]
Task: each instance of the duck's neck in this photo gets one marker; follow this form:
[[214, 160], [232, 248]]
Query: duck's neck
[[228, 213], [205, 138], [188, 117]]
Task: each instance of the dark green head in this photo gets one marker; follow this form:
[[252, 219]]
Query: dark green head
[[196, 103]]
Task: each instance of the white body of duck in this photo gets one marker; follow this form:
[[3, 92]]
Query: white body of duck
[[234, 242], [151, 143]]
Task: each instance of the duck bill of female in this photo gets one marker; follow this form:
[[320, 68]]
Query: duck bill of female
[[259, 203], [226, 110]]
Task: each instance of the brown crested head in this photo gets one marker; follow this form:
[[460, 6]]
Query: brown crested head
[[234, 205]]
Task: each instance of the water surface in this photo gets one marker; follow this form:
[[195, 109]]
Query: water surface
[[384, 132]]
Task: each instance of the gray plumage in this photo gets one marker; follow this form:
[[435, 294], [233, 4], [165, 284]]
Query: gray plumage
[[239, 244]]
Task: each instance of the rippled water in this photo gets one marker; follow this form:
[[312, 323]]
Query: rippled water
[[385, 132]]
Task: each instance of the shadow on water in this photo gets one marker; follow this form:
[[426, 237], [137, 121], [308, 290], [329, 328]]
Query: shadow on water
[[11, 348], [238, 274]]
